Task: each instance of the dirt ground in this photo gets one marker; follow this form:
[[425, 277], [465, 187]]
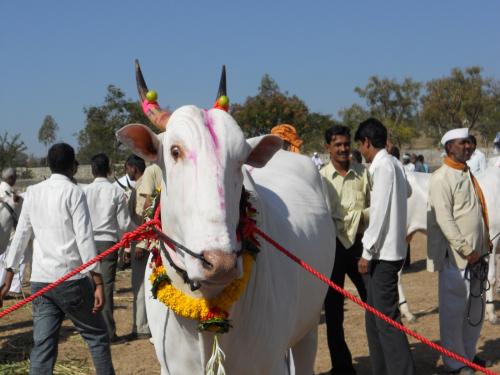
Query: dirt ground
[[137, 357]]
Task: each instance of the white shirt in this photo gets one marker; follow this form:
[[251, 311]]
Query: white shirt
[[124, 181], [385, 237], [317, 161], [477, 162], [108, 209], [410, 167], [55, 213]]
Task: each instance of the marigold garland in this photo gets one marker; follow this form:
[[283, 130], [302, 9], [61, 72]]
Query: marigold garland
[[205, 311], [212, 315]]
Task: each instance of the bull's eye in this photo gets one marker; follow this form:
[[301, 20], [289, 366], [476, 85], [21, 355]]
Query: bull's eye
[[175, 151]]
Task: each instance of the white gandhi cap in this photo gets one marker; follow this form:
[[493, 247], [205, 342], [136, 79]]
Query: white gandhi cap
[[450, 135], [8, 172]]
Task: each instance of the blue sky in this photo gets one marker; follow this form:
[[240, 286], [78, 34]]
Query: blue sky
[[57, 57]]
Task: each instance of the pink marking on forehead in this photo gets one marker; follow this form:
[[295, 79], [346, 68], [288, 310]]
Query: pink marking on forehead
[[210, 126], [220, 190], [193, 156]]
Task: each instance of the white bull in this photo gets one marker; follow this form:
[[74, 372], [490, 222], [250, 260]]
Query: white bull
[[206, 161], [417, 221]]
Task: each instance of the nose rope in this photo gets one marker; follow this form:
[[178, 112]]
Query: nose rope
[[194, 285], [176, 246]]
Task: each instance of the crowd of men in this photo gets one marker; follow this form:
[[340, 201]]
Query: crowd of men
[[70, 225], [369, 207]]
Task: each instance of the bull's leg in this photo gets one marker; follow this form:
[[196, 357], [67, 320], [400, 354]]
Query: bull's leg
[[403, 305], [157, 314], [304, 353], [490, 293]]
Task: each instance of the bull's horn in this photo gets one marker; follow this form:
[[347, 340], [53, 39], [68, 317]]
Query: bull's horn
[[142, 88], [152, 110], [222, 84], [222, 101]]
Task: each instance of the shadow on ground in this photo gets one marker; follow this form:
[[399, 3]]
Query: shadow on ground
[[17, 347]]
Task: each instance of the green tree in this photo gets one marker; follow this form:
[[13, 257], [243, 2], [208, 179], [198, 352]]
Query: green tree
[[395, 104], [10, 148], [313, 133], [103, 121], [353, 116], [465, 98], [270, 107], [490, 120], [47, 132]]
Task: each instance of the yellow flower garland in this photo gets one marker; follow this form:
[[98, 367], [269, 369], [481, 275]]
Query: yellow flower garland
[[202, 309]]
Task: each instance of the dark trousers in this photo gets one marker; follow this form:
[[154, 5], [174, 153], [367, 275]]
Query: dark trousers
[[346, 263], [389, 348], [108, 272], [408, 258], [74, 300]]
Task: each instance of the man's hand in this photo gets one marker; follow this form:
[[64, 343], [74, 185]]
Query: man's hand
[[139, 253], [98, 298], [363, 265], [4, 289], [16, 198], [3, 293], [473, 257]]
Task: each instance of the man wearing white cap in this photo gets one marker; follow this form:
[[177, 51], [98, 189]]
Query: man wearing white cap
[[9, 177], [317, 160], [457, 243], [407, 164], [11, 203]]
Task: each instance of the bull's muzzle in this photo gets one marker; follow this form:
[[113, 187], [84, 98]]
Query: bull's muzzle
[[223, 266]]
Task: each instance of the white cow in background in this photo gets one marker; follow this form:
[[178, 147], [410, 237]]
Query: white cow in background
[[417, 221], [494, 162], [206, 161]]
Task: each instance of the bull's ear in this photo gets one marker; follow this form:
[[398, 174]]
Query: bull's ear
[[140, 140], [263, 149]]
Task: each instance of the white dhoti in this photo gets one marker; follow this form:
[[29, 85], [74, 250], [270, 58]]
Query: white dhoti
[[460, 322]]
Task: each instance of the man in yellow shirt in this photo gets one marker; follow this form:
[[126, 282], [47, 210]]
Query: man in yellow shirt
[[348, 188], [457, 243]]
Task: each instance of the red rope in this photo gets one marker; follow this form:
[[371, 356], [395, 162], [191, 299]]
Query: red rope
[[372, 310], [141, 233], [138, 234]]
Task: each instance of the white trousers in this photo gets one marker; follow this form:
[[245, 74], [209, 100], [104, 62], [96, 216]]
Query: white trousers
[[456, 314]]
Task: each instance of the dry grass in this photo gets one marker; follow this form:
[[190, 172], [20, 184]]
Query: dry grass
[[138, 357], [76, 367]]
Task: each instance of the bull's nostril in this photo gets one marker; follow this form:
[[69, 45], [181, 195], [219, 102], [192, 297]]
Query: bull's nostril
[[218, 263], [206, 264]]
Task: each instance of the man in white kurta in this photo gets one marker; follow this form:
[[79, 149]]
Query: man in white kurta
[[477, 162], [384, 251], [110, 219], [55, 214], [11, 202], [457, 240]]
